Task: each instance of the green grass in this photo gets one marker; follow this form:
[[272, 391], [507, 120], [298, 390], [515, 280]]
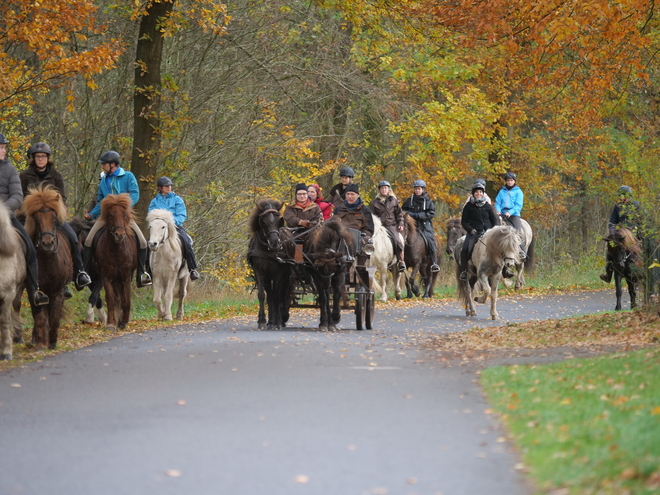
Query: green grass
[[585, 426]]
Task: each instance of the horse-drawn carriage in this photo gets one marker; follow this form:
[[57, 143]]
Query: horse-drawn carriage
[[329, 271]]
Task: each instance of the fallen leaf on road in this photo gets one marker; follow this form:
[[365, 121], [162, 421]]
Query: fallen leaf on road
[[173, 473], [301, 478]]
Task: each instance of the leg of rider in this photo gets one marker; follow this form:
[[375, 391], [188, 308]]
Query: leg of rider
[[517, 224], [188, 253], [80, 277], [433, 252], [35, 296], [143, 278], [607, 276], [465, 256]]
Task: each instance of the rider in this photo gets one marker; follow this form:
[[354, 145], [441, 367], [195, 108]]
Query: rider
[[117, 181], [386, 207], [355, 214], [625, 214], [509, 204], [302, 212], [483, 183], [11, 195], [314, 193], [338, 191], [41, 170], [172, 202], [478, 216], [420, 207]]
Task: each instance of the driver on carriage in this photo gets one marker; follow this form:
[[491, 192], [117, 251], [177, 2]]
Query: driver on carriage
[[11, 195], [303, 213], [478, 216], [356, 215], [386, 207], [420, 207], [509, 204], [172, 202], [625, 214], [117, 181]]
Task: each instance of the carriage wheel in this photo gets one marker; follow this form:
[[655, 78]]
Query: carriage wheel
[[369, 310], [360, 311]]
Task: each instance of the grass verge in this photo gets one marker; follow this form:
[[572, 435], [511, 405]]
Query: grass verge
[[587, 426]]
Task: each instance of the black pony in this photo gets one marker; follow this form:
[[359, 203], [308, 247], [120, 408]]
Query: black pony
[[330, 249], [271, 274], [624, 252]]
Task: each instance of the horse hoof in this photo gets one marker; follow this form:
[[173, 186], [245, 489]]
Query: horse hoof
[[383, 299], [52, 346], [5, 357], [110, 328], [261, 326], [122, 325], [18, 340], [416, 291], [332, 328], [323, 328]]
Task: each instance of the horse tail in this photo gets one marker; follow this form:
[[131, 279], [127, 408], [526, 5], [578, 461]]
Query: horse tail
[[460, 291], [530, 261]]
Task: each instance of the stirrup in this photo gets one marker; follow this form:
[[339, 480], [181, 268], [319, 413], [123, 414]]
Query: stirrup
[[40, 299], [605, 278], [66, 293], [463, 276], [435, 268], [194, 275], [402, 266], [82, 280], [145, 280]]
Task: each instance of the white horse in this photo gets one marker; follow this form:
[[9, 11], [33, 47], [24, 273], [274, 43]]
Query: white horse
[[167, 263], [12, 275], [497, 248], [385, 260], [528, 264]]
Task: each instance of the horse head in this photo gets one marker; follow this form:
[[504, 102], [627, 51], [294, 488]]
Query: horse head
[[161, 228], [454, 232], [44, 212], [270, 222]]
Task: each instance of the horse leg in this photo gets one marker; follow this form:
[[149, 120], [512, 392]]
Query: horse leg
[[324, 304], [397, 275], [618, 290], [485, 289], [261, 294], [16, 317], [168, 296], [413, 280], [125, 295], [5, 332], [520, 279], [40, 326], [469, 305], [183, 292], [632, 291], [110, 302], [337, 288], [494, 280], [54, 317]]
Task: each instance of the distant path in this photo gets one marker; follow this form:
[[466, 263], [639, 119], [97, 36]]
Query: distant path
[[221, 408]]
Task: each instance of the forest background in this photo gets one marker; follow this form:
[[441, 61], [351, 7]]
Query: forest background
[[242, 100]]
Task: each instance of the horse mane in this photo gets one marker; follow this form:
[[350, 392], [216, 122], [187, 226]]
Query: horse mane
[[122, 200], [9, 242], [167, 217], [328, 234], [43, 196], [628, 240], [410, 225], [454, 222], [502, 241], [262, 205]]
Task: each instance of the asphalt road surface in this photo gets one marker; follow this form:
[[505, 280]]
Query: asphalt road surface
[[222, 408]]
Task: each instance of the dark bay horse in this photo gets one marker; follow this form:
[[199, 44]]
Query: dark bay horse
[[115, 257], [272, 275], [44, 212], [417, 257], [625, 253], [330, 249], [454, 231]]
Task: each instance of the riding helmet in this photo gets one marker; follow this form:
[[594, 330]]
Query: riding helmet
[[419, 183], [510, 175], [478, 185], [480, 181], [110, 157], [3, 139], [346, 172], [384, 183], [164, 181], [625, 191], [39, 148]]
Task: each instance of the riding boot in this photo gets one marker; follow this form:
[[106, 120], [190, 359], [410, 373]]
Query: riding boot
[[463, 264], [607, 276], [435, 268], [402, 264], [523, 254], [143, 278], [35, 295], [81, 278]]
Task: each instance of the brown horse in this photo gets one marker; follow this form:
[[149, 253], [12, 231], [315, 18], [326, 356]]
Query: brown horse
[[417, 257], [115, 257], [454, 231], [44, 212]]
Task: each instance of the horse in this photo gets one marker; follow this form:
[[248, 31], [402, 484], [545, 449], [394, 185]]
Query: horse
[[524, 266], [167, 263], [330, 248], [385, 259], [455, 231], [44, 212], [417, 257], [115, 257], [625, 252], [497, 248], [272, 275], [94, 301]]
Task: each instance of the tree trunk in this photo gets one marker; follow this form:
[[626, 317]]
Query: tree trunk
[[146, 102]]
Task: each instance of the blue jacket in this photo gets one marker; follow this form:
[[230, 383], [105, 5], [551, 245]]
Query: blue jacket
[[171, 202], [117, 183], [509, 200]]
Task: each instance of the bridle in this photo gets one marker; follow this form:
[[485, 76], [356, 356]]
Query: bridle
[[270, 232], [42, 233]]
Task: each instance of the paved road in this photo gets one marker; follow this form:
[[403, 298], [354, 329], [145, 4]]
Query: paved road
[[222, 408]]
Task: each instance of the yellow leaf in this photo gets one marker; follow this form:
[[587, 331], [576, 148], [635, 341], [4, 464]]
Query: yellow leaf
[[565, 402], [655, 410]]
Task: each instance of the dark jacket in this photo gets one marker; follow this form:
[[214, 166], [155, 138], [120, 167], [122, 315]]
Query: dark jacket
[[388, 210], [422, 209], [479, 218], [294, 213], [10, 186], [358, 218], [337, 194], [31, 177], [629, 215]]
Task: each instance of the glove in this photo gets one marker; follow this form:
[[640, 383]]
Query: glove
[[473, 232], [481, 232]]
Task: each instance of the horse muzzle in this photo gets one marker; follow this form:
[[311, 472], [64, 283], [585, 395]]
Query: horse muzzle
[[153, 246]]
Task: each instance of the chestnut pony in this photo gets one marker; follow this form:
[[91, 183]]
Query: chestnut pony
[[44, 212], [115, 257]]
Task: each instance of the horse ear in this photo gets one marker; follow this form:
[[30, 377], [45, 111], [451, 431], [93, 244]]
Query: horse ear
[[280, 224]]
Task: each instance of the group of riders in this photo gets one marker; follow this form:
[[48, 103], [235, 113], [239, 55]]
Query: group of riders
[[41, 170]]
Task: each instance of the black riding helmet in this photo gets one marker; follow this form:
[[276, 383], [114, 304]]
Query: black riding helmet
[[164, 181], [510, 175], [39, 148], [110, 157], [419, 183], [3, 139], [346, 172]]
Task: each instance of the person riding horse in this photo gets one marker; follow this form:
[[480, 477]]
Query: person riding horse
[[337, 194], [41, 170], [486, 197], [478, 216], [625, 214], [172, 202], [11, 194], [509, 204], [386, 207], [356, 215], [117, 181], [420, 207]]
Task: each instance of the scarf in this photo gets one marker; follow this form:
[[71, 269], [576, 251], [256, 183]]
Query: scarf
[[355, 205], [478, 202], [305, 204]]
